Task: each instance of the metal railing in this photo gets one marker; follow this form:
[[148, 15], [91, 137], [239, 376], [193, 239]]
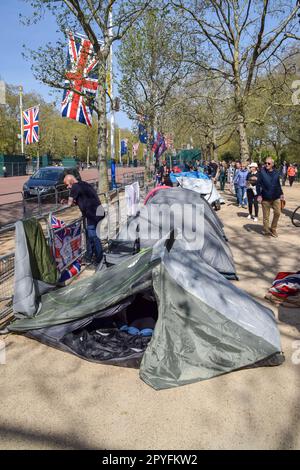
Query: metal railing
[[36, 202], [30, 205], [114, 205], [129, 178], [14, 169]]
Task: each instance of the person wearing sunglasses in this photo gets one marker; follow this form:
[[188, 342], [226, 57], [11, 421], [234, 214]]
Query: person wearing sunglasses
[[270, 195]]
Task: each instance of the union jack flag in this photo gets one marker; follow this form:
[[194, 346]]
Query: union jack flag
[[56, 223], [82, 78], [31, 125]]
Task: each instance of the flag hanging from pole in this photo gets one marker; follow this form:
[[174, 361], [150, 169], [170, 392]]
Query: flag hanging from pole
[[82, 79], [143, 136], [31, 125], [124, 147], [135, 148]]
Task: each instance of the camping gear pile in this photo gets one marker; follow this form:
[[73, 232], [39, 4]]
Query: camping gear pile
[[160, 301], [201, 184], [285, 289]]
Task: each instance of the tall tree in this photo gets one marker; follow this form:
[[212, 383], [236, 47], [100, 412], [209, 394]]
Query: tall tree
[[151, 62], [91, 18], [237, 39]]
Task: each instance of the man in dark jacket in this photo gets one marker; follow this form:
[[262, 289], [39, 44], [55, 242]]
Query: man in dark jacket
[[269, 193], [86, 197]]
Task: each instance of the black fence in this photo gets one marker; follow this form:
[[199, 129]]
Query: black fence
[[14, 169]]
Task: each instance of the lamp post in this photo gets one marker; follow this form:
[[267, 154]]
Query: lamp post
[[75, 145]]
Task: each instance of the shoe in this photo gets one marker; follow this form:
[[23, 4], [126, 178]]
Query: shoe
[[249, 217], [266, 233], [273, 233], [240, 205], [86, 261], [255, 219]]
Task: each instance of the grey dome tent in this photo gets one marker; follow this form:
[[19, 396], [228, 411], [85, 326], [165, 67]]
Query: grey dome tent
[[156, 220]]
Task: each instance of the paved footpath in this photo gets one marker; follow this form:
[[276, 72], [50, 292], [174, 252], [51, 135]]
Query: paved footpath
[[53, 400]]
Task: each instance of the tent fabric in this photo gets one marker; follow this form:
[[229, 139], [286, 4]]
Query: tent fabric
[[205, 325], [154, 191], [199, 334], [188, 174], [42, 262], [154, 221], [206, 187], [35, 272], [75, 338], [91, 295]]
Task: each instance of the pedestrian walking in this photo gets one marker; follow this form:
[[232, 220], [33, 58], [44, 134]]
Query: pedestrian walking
[[222, 175], [270, 195], [237, 167], [291, 172], [283, 172], [240, 181], [252, 191]]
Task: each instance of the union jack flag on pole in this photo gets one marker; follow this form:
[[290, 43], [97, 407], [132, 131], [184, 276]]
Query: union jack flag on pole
[[81, 78], [31, 125]]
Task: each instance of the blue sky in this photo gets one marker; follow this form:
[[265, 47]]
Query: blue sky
[[13, 68]]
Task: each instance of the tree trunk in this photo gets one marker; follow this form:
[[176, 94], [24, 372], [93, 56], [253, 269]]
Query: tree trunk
[[214, 145], [244, 146], [103, 184], [149, 128]]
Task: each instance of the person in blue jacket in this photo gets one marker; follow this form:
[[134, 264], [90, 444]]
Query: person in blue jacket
[[270, 195], [240, 182]]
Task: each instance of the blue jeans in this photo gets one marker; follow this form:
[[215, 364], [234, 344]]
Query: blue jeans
[[236, 192], [93, 244], [241, 191]]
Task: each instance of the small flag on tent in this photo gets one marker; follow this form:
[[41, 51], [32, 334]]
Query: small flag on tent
[[124, 147], [31, 125]]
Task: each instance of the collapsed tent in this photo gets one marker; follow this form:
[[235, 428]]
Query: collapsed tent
[[167, 309], [198, 334]]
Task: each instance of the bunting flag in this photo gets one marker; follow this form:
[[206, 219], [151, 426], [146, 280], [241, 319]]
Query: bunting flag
[[124, 147], [143, 136], [81, 80], [31, 125], [159, 145], [135, 148]]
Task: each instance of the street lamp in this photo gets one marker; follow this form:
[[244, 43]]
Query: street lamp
[[75, 145]]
